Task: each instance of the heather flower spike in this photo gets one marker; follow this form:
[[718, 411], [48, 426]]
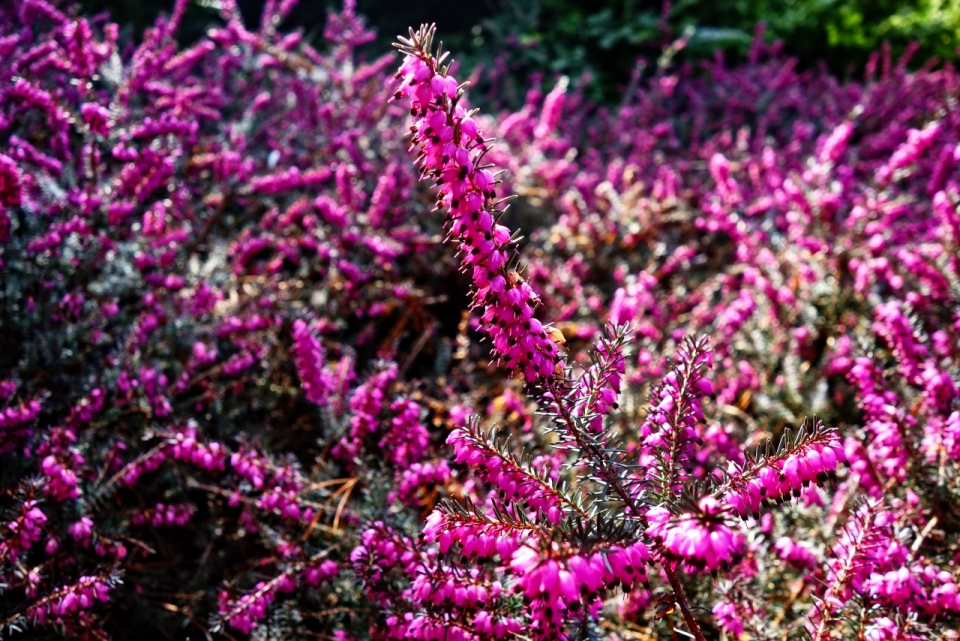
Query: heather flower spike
[[811, 456], [451, 148], [669, 432]]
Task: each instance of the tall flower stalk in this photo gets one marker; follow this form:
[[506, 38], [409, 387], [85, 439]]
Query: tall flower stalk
[[451, 153]]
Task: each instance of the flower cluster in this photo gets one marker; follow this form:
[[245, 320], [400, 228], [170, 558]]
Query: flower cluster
[[419, 476], [309, 356], [701, 540], [166, 515], [514, 480], [810, 456], [23, 531], [245, 613], [71, 606]]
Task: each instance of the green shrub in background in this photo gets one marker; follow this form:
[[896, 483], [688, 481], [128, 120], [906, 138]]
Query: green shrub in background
[[573, 36], [387, 17], [524, 37], [842, 32]]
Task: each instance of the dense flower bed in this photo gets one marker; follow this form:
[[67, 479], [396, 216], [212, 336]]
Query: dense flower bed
[[248, 388]]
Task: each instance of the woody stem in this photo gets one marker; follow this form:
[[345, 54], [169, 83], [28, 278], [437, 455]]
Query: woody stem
[[682, 602]]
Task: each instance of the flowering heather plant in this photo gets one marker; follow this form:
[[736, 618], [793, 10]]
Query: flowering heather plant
[[247, 390], [183, 268], [657, 508]]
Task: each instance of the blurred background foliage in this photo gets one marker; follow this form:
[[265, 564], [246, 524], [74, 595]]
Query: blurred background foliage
[[516, 38]]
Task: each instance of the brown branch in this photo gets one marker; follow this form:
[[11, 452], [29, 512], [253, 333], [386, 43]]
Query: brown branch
[[682, 602]]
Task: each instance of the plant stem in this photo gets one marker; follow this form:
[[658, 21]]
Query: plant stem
[[682, 602], [599, 459]]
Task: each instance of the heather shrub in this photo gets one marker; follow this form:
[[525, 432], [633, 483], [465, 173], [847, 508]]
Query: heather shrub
[[259, 378], [185, 284]]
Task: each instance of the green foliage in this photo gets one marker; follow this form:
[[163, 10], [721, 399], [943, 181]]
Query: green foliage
[[605, 39], [572, 37], [844, 32]]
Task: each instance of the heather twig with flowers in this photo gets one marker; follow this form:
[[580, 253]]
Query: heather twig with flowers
[[451, 150], [606, 515]]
